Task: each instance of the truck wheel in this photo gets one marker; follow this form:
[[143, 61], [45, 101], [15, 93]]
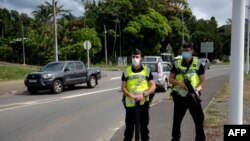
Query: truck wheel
[[32, 90], [57, 86], [92, 82]]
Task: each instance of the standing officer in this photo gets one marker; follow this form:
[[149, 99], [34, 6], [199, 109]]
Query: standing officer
[[137, 85], [195, 72]]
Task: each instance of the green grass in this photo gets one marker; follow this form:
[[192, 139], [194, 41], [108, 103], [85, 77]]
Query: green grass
[[222, 63], [14, 71], [9, 71], [216, 114], [109, 67]]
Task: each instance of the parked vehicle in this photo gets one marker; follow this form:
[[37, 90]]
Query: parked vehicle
[[177, 58], [168, 57], [153, 59], [160, 72], [205, 62], [57, 75]]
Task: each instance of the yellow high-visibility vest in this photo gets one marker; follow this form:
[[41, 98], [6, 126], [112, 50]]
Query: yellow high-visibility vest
[[192, 75], [137, 83]]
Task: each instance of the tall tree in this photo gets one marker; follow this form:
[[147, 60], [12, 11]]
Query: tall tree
[[75, 49], [147, 32]]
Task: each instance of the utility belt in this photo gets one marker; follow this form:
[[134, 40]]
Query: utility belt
[[129, 102]]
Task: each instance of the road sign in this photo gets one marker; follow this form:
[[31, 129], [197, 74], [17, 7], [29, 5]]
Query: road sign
[[122, 61], [207, 47], [169, 47], [87, 45]]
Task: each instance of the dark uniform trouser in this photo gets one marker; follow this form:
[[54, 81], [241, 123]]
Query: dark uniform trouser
[[130, 123], [181, 104]]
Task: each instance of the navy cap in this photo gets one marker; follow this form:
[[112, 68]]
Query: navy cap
[[188, 45]]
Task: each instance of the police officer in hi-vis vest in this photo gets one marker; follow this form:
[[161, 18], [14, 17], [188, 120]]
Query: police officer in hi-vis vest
[[190, 68], [137, 85]]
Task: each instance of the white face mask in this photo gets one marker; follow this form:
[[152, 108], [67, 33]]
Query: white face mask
[[136, 61]]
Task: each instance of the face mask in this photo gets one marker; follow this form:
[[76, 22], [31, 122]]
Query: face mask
[[185, 54], [136, 61]]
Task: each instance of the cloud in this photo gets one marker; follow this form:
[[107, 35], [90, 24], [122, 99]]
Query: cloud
[[205, 9], [76, 8], [27, 6]]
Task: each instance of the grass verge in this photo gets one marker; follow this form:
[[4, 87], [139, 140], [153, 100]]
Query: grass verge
[[216, 114], [109, 67], [11, 71], [14, 71]]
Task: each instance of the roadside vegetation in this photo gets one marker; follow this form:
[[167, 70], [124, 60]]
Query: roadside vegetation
[[110, 67], [11, 71], [149, 25], [216, 114], [15, 71]]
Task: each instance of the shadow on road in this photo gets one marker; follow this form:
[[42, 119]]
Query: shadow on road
[[49, 92]]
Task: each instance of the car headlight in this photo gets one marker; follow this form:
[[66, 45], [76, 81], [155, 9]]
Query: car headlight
[[47, 76]]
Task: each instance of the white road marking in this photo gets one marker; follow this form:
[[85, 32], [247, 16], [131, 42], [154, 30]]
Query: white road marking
[[29, 103], [72, 96], [113, 78], [6, 109]]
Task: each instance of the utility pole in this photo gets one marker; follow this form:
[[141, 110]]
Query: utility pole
[[85, 13], [55, 32], [248, 36], [105, 45], [235, 116], [23, 45], [120, 35], [182, 20]]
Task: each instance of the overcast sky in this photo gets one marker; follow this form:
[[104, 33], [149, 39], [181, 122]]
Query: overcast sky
[[205, 9]]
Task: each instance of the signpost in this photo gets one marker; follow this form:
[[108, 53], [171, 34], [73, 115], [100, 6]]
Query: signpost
[[87, 46], [207, 47], [122, 61]]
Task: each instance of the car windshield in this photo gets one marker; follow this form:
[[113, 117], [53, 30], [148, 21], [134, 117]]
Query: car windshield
[[150, 59], [202, 60], [53, 67], [151, 66]]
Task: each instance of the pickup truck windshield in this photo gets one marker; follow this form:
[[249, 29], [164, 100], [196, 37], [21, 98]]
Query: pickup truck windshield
[[53, 67]]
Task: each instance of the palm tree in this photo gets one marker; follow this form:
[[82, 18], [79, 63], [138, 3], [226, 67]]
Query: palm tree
[[44, 12], [43, 23]]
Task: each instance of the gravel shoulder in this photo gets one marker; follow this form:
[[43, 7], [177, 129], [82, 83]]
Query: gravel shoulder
[[216, 114], [12, 87]]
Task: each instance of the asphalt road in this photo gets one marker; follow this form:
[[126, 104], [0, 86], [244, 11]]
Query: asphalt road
[[79, 114], [161, 114]]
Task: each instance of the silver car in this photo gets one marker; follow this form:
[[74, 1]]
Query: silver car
[[153, 59], [205, 62], [160, 72]]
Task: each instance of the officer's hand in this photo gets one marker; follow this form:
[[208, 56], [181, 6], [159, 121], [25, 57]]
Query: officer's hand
[[183, 86], [139, 98]]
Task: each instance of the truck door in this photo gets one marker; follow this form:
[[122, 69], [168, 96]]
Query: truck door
[[81, 72], [70, 74]]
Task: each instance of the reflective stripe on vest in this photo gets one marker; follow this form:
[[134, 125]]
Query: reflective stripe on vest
[[137, 83], [192, 75]]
